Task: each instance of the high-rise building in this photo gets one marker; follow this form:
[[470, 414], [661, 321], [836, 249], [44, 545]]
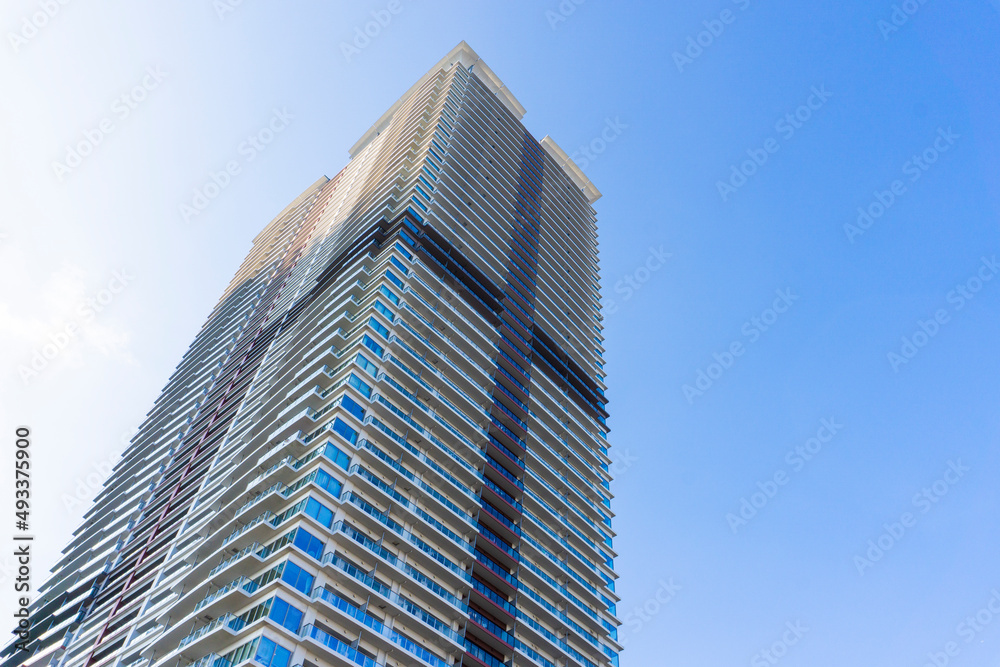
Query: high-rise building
[[387, 444]]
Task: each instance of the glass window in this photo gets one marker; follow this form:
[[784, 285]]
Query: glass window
[[341, 428], [360, 385], [327, 481], [379, 327], [373, 346], [352, 406], [389, 294], [309, 543], [399, 265], [369, 367], [285, 615], [320, 512], [271, 654], [393, 279], [412, 226], [416, 216], [241, 654], [337, 456], [384, 310], [297, 578], [406, 253]]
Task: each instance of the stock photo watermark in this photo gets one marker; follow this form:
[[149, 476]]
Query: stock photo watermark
[[924, 501], [636, 619], [967, 630], [32, 24], [900, 16], [913, 169], [363, 35], [963, 293], [121, 109], [773, 654], [562, 12], [88, 486], [752, 330], [621, 461], [248, 150], [60, 340], [796, 458], [714, 28], [585, 155], [631, 283], [785, 127], [224, 8]]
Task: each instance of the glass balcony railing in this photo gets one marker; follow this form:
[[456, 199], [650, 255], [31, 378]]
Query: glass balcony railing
[[491, 627], [229, 621], [484, 657], [247, 585], [210, 660], [354, 655], [493, 597]]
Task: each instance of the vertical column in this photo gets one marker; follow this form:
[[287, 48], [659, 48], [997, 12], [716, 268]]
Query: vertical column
[[492, 615]]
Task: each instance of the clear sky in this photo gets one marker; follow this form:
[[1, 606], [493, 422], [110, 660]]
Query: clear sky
[[745, 137]]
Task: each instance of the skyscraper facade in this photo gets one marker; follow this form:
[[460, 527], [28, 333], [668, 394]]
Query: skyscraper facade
[[387, 444]]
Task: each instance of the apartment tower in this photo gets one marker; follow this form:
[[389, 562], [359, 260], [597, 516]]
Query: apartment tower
[[387, 444]]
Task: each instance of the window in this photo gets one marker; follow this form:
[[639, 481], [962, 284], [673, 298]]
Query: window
[[255, 614], [337, 456], [327, 481], [308, 543], [352, 406], [389, 294], [419, 203], [411, 226], [272, 654], [379, 327], [394, 280], [368, 366], [374, 347], [406, 253], [241, 654], [421, 191], [320, 512], [285, 615], [381, 308], [400, 266], [297, 578], [413, 213], [358, 384], [342, 429]]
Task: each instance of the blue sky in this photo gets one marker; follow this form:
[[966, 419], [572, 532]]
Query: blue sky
[[898, 100]]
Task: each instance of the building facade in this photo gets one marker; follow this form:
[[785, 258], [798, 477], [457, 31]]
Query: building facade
[[387, 445]]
